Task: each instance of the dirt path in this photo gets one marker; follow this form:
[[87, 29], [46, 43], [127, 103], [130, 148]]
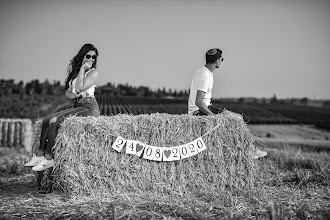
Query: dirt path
[[20, 199]]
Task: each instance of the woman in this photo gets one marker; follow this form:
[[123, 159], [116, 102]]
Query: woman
[[80, 87]]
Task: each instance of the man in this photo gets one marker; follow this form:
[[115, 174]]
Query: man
[[200, 95], [199, 102]]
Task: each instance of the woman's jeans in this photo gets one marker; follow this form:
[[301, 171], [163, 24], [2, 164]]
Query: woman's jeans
[[51, 123]]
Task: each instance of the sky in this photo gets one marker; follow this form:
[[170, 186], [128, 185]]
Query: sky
[[269, 47]]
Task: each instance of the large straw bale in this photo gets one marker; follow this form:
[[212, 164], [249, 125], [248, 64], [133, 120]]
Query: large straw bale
[[87, 165]]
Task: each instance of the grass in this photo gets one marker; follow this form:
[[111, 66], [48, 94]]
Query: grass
[[292, 183]]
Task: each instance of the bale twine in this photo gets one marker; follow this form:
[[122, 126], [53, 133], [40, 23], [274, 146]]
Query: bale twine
[[85, 163]]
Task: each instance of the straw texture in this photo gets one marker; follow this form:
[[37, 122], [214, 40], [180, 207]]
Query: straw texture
[[85, 163]]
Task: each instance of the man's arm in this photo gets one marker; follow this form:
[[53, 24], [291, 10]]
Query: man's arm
[[200, 103]]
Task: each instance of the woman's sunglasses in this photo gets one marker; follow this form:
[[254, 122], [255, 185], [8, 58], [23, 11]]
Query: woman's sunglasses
[[89, 56]]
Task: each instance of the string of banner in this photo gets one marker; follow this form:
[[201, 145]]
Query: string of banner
[[155, 153]]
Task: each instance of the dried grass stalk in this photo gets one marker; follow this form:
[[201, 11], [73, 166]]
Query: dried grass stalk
[[87, 165]]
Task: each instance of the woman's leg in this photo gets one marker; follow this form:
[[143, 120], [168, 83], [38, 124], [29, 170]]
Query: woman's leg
[[47, 161], [44, 132], [54, 125]]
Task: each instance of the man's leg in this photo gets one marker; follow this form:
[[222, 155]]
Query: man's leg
[[214, 109]]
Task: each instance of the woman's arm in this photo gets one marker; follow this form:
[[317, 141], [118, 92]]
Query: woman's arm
[[83, 83], [70, 95]]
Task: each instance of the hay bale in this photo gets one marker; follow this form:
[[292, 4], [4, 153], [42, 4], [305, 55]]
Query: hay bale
[[36, 132], [11, 133], [16, 133], [4, 131], [26, 134], [45, 180], [87, 165]]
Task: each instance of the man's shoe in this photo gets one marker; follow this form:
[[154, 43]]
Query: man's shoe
[[258, 153], [44, 164], [34, 161]]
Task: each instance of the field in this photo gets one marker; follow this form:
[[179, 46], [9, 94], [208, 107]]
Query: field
[[36, 106], [292, 180]]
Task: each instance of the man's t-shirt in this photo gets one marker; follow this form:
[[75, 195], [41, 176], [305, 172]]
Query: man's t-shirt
[[202, 80]]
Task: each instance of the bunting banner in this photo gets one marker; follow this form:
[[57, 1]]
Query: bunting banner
[[155, 153]]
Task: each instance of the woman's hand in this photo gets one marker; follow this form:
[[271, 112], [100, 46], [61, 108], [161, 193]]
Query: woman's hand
[[81, 95], [86, 66]]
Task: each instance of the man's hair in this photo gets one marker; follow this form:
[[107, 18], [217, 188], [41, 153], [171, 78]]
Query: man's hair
[[212, 55]]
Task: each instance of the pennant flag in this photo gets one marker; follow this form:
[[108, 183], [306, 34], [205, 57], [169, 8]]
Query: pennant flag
[[131, 146], [167, 154], [192, 148], [139, 148], [200, 144], [176, 155], [119, 144], [157, 153], [148, 152], [184, 151]]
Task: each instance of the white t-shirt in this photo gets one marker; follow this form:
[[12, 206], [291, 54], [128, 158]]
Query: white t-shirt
[[202, 80]]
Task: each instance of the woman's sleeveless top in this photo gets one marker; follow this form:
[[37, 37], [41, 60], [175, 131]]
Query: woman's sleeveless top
[[90, 91]]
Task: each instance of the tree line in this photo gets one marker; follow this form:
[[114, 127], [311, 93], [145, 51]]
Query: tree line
[[9, 87]]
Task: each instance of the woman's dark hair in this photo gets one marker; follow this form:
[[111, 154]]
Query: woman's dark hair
[[212, 55], [75, 64]]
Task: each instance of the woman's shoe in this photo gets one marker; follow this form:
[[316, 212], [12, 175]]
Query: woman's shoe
[[44, 164], [34, 161]]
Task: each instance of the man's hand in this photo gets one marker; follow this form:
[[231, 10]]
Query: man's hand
[[87, 65]]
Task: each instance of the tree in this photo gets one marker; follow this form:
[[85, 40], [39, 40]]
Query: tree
[[273, 99]]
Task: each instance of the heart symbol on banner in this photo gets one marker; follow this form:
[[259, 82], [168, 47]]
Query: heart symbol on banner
[[139, 147], [167, 153]]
